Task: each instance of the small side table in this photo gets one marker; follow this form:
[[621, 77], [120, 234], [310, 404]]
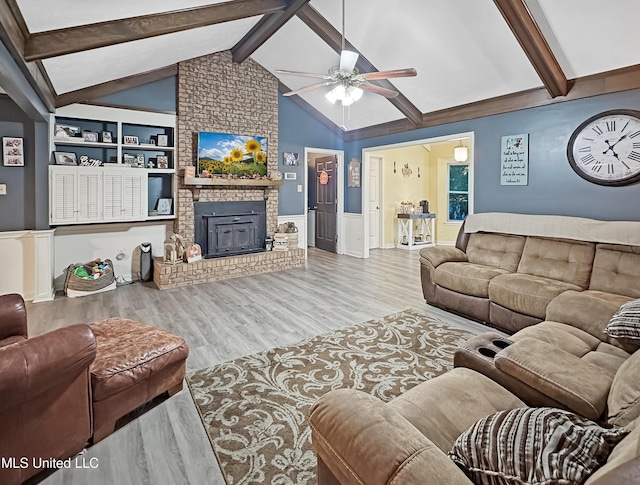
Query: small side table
[[427, 230]]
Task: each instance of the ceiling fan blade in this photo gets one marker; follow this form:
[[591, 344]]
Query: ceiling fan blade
[[308, 88], [306, 74], [348, 60], [387, 93], [389, 74]]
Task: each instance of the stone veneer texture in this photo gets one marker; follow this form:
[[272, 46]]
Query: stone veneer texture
[[215, 94]]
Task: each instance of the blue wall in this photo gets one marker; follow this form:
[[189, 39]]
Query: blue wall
[[298, 129], [158, 96], [554, 188], [26, 204]]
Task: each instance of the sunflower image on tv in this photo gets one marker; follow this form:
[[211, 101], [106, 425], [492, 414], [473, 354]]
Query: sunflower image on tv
[[231, 155]]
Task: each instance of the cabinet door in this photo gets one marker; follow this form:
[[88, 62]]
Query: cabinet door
[[89, 195], [134, 194], [112, 183], [63, 183]]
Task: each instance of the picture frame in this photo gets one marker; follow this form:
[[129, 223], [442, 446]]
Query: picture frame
[[128, 160], [162, 161], [65, 158], [131, 140], [140, 160], [90, 136], [106, 137], [66, 131], [12, 151], [163, 140], [164, 206], [291, 158]]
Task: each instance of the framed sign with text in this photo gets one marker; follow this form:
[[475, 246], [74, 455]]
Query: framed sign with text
[[514, 160]]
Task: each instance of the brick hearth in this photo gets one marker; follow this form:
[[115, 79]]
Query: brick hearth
[[186, 274]]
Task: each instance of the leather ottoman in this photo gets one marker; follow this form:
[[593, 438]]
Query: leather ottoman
[[135, 362]]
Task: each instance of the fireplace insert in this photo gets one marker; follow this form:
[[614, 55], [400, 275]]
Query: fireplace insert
[[230, 228]]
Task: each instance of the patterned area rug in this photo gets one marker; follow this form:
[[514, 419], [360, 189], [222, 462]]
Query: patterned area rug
[[255, 408]]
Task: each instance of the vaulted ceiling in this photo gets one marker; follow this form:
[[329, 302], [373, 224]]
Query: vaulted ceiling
[[473, 57]]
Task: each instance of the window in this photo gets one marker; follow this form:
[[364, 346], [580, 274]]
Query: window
[[458, 191]]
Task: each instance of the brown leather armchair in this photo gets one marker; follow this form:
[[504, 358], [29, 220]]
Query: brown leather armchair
[[45, 392]]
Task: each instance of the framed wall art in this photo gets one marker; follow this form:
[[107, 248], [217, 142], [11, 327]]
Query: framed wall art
[[12, 151], [514, 160], [232, 155]]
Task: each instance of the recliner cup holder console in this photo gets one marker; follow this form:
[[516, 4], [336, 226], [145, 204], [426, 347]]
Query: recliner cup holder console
[[487, 352], [501, 343]]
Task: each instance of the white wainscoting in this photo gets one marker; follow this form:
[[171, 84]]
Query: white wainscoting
[[27, 264], [353, 231], [300, 221], [81, 244], [311, 228]]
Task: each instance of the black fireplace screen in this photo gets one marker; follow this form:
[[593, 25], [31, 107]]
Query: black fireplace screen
[[230, 228]]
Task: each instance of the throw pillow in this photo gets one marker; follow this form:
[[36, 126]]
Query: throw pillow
[[625, 323], [533, 446]]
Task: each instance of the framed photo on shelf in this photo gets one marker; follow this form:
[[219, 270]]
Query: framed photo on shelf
[[66, 131], [65, 158], [106, 137], [140, 160], [164, 207], [90, 136], [130, 140], [162, 161], [163, 140], [129, 160], [12, 151]]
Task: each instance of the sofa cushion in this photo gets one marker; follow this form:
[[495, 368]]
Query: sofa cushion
[[467, 278], [533, 446], [501, 251], [562, 260], [440, 410], [526, 294], [560, 335], [588, 310], [623, 403], [625, 323], [623, 464], [616, 269]]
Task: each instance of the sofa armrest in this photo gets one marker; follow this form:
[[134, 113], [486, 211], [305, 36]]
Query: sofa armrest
[[13, 316], [33, 366], [575, 383], [361, 440], [436, 255]]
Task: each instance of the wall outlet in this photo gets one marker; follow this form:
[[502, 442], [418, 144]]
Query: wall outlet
[[3, 189]]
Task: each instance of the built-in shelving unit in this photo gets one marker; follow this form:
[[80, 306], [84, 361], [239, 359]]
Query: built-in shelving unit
[[132, 178]]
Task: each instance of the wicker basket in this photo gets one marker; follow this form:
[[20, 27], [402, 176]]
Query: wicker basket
[[75, 282]]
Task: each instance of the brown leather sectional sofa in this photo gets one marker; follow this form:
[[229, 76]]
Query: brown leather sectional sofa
[[567, 270]]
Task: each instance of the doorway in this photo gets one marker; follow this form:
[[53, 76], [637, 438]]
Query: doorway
[[324, 198], [413, 172]]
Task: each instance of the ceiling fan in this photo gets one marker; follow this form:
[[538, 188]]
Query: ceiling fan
[[348, 80]]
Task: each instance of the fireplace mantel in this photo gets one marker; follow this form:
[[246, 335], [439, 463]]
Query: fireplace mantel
[[203, 182]]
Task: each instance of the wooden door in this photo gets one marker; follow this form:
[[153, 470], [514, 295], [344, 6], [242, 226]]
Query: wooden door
[[374, 201], [326, 215]]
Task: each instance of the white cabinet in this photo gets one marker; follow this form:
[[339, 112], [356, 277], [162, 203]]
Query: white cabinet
[[118, 138], [88, 195]]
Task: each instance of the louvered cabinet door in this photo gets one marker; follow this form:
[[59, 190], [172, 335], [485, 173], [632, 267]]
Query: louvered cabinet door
[[134, 194], [63, 183], [112, 197], [89, 207]]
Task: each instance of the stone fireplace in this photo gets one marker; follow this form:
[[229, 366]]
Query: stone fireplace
[[217, 95]]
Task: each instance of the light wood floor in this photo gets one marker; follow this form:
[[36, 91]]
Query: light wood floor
[[222, 321]]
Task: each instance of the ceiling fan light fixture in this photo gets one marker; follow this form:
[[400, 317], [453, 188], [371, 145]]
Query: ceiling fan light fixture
[[461, 153]]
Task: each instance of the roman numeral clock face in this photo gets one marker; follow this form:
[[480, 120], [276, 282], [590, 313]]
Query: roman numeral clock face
[[605, 149]]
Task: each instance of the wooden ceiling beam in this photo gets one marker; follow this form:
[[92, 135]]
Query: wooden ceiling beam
[[609, 82], [264, 29], [110, 87], [60, 42], [321, 26], [14, 33], [528, 34]]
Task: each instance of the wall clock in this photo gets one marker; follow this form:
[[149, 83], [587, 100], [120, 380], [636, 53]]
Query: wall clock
[[605, 149]]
